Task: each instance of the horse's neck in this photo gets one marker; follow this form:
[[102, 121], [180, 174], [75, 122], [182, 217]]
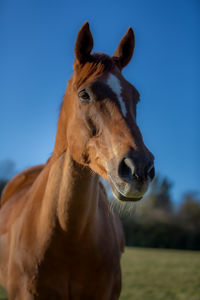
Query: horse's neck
[[65, 113], [71, 196]]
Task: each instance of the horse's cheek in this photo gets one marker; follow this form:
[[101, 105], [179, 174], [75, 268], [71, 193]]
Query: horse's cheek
[[77, 142]]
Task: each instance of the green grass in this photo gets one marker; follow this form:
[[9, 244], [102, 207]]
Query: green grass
[[151, 274], [3, 295]]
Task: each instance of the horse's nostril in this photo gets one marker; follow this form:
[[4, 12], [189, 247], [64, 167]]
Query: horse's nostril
[[133, 170], [151, 172], [126, 169], [130, 165]]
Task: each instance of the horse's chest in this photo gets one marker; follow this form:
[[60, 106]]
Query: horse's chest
[[85, 271]]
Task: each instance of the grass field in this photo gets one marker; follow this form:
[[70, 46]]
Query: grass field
[[151, 274]]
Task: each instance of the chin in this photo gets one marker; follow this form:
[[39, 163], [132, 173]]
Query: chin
[[119, 196]]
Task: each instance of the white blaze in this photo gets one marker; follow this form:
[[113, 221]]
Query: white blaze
[[114, 83]]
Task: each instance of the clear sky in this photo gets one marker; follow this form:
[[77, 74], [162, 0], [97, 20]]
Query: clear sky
[[36, 54]]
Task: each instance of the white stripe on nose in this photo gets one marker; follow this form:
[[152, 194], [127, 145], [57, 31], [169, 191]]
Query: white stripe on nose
[[114, 83]]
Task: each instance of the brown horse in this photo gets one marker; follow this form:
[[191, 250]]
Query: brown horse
[[58, 237]]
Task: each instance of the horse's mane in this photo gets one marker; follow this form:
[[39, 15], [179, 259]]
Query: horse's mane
[[20, 181]]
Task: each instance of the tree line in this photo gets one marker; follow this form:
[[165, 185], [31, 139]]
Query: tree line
[[155, 222]]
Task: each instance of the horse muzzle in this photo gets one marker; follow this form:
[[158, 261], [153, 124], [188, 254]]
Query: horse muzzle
[[130, 178]]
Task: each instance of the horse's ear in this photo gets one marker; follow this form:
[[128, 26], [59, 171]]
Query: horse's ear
[[84, 44], [124, 52]]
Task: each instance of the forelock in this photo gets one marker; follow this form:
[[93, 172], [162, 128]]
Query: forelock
[[97, 65]]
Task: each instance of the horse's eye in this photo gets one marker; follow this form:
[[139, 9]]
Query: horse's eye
[[84, 96]]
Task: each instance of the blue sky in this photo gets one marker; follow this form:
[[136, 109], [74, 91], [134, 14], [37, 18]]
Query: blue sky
[[36, 56]]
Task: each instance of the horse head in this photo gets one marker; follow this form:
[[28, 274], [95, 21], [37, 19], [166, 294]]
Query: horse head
[[99, 109]]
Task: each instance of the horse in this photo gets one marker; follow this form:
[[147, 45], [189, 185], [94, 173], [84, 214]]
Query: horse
[[59, 239]]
